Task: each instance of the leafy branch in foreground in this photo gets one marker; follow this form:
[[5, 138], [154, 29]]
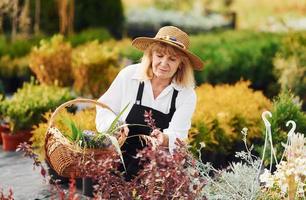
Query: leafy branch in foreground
[[55, 187], [10, 196], [238, 181]]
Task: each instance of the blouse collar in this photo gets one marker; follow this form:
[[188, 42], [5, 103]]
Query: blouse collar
[[173, 82]]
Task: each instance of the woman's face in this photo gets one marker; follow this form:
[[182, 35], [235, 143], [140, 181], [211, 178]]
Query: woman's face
[[164, 65]]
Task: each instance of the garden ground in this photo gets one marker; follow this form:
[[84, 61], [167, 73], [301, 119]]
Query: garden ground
[[17, 172]]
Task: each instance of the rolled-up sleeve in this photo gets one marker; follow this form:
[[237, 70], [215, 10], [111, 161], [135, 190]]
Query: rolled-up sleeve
[[112, 98], [181, 120]]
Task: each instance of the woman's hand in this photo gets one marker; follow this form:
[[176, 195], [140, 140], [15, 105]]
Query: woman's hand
[[161, 138], [124, 131]]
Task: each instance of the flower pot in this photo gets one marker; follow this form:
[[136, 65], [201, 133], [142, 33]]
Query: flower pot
[[11, 141], [3, 128], [88, 188]]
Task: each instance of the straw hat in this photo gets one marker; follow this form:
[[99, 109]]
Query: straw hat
[[173, 36]]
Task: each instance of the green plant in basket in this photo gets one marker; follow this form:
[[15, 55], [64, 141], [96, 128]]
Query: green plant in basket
[[88, 139], [84, 118]]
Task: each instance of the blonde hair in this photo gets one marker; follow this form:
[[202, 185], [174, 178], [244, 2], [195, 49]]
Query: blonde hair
[[184, 75]]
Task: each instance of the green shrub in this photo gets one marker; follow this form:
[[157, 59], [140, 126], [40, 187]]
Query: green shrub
[[285, 107], [14, 67], [290, 64], [2, 44], [125, 49], [97, 13], [27, 105], [1, 89], [94, 67], [13, 72], [18, 48], [49, 18], [87, 35], [222, 112], [234, 55], [51, 61]]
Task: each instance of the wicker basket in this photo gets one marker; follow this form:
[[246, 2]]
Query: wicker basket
[[63, 156]]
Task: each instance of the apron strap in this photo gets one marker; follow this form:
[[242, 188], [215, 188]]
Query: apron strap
[[139, 97], [174, 95], [139, 93]]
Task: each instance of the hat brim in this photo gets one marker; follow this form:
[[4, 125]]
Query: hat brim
[[142, 44]]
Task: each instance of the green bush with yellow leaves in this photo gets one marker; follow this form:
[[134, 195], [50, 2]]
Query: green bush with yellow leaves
[[222, 112], [51, 61], [94, 67]]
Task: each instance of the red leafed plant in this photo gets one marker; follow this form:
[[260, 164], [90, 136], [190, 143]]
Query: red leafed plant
[[109, 182], [55, 187], [148, 118], [4, 197], [163, 176], [166, 176], [28, 152]]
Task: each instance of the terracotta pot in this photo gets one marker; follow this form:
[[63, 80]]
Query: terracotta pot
[[3, 128], [11, 141]]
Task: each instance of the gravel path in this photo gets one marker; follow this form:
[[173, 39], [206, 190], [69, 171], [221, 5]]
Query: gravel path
[[17, 172]]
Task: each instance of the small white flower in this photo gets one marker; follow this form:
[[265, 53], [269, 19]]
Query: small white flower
[[202, 145], [284, 187], [267, 178]]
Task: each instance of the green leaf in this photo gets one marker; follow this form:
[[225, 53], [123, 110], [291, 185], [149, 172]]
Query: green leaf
[[68, 136], [112, 126], [117, 147], [76, 133]]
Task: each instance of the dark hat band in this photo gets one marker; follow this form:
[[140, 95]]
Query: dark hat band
[[172, 40]]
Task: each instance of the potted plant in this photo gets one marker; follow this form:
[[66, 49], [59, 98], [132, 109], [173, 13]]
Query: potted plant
[[3, 126], [25, 109]]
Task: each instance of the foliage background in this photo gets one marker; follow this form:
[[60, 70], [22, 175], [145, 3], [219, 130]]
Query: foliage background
[[253, 63]]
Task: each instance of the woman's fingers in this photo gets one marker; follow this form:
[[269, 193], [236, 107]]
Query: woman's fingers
[[180, 143], [125, 131], [155, 132]]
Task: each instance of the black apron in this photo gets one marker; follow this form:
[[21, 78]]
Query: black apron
[[136, 116]]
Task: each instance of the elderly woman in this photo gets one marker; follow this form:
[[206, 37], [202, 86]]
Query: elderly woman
[[162, 84]]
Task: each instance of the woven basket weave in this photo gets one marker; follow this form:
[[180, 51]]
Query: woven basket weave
[[63, 156]]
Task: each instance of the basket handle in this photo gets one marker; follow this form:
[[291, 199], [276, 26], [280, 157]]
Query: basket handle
[[79, 100]]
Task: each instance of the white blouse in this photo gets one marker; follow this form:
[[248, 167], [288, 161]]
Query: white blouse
[[123, 91]]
